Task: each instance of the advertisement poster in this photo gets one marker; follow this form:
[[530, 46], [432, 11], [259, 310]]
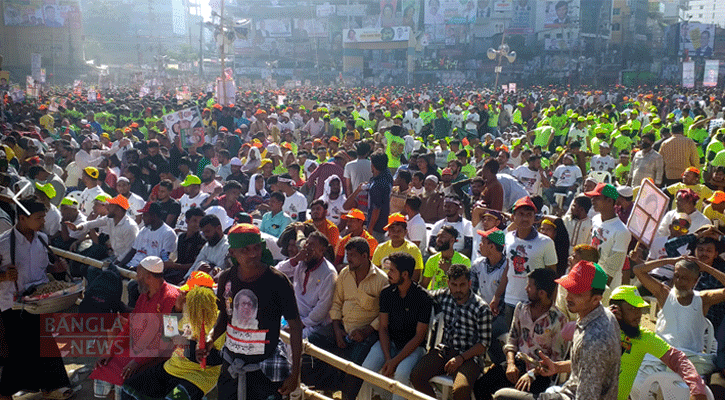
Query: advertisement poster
[[274, 28], [688, 74], [186, 123], [371, 35], [47, 13], [712, 68], [450, 12], [696, 39]]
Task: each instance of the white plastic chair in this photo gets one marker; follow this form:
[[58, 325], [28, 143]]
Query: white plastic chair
[[666, 386], [601, 176]]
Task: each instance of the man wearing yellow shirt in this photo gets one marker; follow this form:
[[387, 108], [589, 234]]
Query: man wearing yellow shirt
[[397, 228], [714, 210], [46, 121], [690, 180]]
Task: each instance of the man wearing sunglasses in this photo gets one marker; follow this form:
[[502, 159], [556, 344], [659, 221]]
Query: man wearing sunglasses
[[679, 226]]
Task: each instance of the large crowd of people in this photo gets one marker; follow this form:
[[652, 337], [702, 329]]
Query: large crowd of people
[[349, 217]]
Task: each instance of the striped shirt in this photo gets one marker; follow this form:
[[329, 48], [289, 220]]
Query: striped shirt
[[679, 153]]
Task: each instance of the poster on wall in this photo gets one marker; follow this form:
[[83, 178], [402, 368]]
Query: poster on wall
[[558, 13], [47, 13], [696, 39], [688, 74], [712, 68], [450, 12], [372, 35]]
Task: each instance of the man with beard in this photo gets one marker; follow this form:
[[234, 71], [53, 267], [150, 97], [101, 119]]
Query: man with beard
[[356, 227], [354, 313], [467, 334], [313, 278], [334, 198], [405, 309], [596, 350], [295, 203], [397, 229], [156, 297], [435, 274], [318, 217], [452, 207], [211, 258], [193, 197], [236, 167], [432, 206], [170, 206], [682, 320], [210, 185], [626, 304], [537, 325]]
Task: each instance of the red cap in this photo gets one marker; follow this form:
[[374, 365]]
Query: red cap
[[585, 275], [446, 171], [525, 202]]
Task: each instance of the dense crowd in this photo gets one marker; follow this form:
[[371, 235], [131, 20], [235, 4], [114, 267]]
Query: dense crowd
[[352, 217]]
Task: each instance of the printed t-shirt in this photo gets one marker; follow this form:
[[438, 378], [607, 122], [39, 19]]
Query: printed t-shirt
[[523, 256], [633, 351], [253, 336]]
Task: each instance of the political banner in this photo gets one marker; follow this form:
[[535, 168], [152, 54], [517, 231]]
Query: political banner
[[596, 18], [274, 28], [649, 208], [4, 80], [313, 28], [450, 12], [523, 18], [187, 124], [558, 14], [712, 68], [372, 35], [688, 74], [45, 13], [696, 39]]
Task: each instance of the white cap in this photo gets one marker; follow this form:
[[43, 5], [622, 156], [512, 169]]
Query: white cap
[[416, 111], [285, 114], [625, 191], [235, 161], [273, 116], [604, 144], [152, 264]]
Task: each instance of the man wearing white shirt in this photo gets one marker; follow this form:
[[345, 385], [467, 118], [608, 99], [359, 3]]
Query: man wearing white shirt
[[609, 234], [531, 176], [295, 203], [603, 161], [193, 197], [86, 156], [417, 230], [566, 179], [577, 222], [215, 249], [136, 202], [686, 201], [315, 126], [313, 279], [155, 239], [92, 190], [452, 206], [121, 229]]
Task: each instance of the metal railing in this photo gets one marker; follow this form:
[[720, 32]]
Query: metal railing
[[340, 363]]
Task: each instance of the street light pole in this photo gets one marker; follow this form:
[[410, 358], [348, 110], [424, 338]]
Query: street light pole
[[503, 51]]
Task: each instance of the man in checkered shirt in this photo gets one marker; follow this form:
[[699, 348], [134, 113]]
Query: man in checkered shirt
[[467, 334]]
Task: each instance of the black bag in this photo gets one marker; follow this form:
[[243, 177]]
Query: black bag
[[103, 292]]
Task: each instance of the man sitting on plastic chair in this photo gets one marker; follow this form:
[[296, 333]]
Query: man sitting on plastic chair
[[626, 304], [467, 334]]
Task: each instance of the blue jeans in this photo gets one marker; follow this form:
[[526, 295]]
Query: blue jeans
[[549, 195], [375, 361]]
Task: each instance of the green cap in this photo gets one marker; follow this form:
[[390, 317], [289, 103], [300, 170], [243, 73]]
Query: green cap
[[47, 189], [191, 180], [630, 294]]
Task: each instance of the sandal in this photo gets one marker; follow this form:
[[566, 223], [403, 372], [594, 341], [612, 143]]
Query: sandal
[[59, 394]]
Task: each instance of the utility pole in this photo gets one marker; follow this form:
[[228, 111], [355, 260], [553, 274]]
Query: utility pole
[[223, 94], [201, 48]]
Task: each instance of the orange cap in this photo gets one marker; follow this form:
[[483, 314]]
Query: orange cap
[[354, 214], [198, 279], [717, 197], [395, 218], [119, 201], [691, 169]]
